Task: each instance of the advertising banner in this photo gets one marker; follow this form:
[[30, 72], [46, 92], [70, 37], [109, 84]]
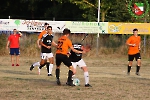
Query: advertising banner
[[87, 27], [30, 25], [74, 26], [127, 28]]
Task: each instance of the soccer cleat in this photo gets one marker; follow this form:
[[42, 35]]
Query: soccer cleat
[[58, 82], [12, 65], [137, 73], [17, 64], [31, 68], [49, 75], [70, 84], [88, 85]]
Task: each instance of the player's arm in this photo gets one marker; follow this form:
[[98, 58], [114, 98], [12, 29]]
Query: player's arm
[[139, 45], [76, 51], [130, 44], [42, 44], [39, 38], [72, 48], [38, 43], [54, 44], [20, 33], [7, 45]]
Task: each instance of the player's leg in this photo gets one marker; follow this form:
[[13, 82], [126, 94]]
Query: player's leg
[[86, 76], [50, 64], [58, 60], [33, 65], [138, 59], [130, 61], [12, 60], [17, 60], [74, 65], [12, 56], [70, 74], [43, 60], [82, 65], [71, 71], [17, 56]]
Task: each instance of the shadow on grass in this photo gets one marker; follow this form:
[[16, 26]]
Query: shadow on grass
[[133, 77], [17, 72], [31, 80]]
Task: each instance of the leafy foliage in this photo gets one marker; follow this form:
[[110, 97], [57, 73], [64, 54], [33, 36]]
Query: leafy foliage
[[74, 10]]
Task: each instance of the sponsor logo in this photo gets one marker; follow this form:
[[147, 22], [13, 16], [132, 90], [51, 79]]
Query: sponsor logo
[[138, 9]]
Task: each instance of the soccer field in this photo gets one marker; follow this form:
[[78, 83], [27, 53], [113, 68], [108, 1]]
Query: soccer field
[[107, 77]]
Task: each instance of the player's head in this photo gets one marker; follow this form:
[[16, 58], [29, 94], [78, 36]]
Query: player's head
[[86, 47], [135, 31], [66, 31], [49, 29], [46, 25], [14, 30]]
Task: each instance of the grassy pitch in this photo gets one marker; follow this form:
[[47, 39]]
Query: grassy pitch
[[107, 77]]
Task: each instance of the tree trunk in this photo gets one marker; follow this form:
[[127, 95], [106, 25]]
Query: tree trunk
[[103, 17]]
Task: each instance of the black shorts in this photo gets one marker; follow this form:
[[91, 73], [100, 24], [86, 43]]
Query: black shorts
[[136, 56], [63, 58]]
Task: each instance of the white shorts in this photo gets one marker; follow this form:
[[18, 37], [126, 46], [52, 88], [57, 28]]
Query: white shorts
[[80, 63], [46, 55]]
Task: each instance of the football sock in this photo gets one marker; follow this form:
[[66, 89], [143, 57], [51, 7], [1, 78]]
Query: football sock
[[42, 65], [137, 68], [86, 77], [70, 73], [39, 71], [129, 68], [51, 68], [47, 66], [57, 73], [36, 64]]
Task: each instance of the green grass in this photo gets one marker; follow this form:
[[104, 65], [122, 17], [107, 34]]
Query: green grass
[[107, 77]]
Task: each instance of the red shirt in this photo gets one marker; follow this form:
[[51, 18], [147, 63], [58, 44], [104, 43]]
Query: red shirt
[[14, 40]]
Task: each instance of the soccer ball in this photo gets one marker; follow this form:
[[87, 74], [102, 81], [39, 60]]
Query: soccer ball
[[76, 81]]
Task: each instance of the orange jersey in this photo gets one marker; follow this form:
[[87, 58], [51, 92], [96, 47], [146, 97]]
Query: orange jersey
[[63, 45], [41, 34], [133, 40]]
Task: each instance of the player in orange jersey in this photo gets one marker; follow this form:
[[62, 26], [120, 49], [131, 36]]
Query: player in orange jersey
[[64, 43], [134, 43], [41, 34]]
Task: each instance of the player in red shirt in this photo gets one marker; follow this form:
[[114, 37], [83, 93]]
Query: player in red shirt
[[13, 44]]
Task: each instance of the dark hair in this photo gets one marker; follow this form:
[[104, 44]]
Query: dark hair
[[135, 29], [49, 27], [46, 24], [66, 31]]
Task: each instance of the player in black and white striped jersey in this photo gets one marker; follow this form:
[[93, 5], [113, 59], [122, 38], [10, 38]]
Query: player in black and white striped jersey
[[46, 42], [76, 60]]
